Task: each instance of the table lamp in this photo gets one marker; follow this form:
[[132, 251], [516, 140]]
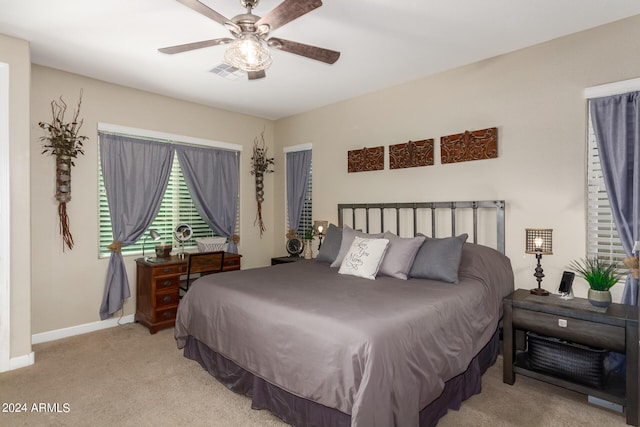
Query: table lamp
[[320, 229], [155, 236], [538, 241]]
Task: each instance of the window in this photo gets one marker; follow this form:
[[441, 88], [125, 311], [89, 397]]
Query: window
[[177, 207], [603, 240], [306, 218], [602, 237]]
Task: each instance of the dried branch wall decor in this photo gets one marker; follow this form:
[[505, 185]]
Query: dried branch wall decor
[[366, 159], [63, 142], [411, 154], [475, 145], [260, 164]]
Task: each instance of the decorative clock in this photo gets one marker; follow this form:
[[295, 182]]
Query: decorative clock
[[294, 246]]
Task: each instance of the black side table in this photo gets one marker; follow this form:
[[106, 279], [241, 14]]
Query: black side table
[[285, 259], [614, 328]]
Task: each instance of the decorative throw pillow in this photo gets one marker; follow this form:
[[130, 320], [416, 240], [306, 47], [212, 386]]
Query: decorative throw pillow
[[348, 235], [364, 257], [439, 259], [400, 254], [330, 245]]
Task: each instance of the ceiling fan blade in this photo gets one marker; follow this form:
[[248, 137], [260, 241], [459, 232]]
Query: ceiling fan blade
[[313, 52], [287, 11], [195, 45], [205, 10], [255, 75]]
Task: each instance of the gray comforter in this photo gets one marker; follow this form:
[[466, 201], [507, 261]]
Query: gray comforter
[[377, 350]]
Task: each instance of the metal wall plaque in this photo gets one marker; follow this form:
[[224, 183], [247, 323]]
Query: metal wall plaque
[[411, 154], [475, 145], [366, 159]]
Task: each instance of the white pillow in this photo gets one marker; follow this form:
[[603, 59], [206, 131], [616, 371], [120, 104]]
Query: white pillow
[[364, 257], [348, 234]]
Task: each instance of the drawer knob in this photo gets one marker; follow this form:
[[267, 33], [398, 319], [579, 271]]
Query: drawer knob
[[167, 270], [167, 298], [167, 283], [166, 314]]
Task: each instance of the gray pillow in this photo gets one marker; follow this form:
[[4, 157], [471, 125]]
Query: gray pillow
[[330, 245], [400, 255], [348, 234], [439, 259]]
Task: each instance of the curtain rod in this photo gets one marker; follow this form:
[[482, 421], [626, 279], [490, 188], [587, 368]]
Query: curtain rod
[[166, 137], [614, 88]]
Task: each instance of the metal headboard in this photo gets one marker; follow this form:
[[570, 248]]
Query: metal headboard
[[432, 209]]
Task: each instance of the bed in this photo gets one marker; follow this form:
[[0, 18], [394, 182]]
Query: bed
[[321, 347]]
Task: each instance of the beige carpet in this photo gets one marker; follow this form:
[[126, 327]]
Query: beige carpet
[[125, 376]]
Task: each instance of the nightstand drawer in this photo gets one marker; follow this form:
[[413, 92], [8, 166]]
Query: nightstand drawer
[[231, 263], [576, 330], [167, 298], [165, 283], [168, 270], [165, 314]]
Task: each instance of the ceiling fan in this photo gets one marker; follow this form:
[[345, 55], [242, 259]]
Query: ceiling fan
[[248, 49]]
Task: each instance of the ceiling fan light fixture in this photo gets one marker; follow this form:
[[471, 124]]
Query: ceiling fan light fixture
[[248, 53]]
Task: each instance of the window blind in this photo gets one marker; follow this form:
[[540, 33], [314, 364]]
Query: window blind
[[177, 207], [602, 236], [306, 217]]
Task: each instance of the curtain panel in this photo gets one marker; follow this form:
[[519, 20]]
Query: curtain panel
[[212, 178], [136, 173], [616, 123], [298, 167]]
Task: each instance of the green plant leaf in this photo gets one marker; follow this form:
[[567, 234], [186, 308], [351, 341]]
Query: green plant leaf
[[601, 275]]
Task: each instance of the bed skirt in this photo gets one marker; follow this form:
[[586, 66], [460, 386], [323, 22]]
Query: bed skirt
[[301, 412]]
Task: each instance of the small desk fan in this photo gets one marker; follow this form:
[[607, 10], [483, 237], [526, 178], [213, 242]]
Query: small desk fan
[[182, 233]]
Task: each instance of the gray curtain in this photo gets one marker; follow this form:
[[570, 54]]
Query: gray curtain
[[136, 173], [212, 178], [298, 167], [616, 123]]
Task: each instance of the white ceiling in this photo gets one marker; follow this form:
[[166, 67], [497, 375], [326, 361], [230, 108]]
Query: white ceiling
[[382, 43]]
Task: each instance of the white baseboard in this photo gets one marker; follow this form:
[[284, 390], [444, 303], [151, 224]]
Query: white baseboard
[[80, 329], [21, 361], [605, 404]]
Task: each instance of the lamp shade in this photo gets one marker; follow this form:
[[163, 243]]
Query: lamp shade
[[320, 227], [154, 235], [539, 241]]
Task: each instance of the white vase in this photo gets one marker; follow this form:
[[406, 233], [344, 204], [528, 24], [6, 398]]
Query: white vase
[[307, 252]]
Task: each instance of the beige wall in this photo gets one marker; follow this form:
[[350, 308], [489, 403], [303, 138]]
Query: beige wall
[[16, 53], [534, 97], [68, 285]]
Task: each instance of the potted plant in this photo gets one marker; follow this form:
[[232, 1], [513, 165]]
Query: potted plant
[[601, 275]]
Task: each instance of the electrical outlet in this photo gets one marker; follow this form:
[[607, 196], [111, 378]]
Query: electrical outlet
[[562, 323]]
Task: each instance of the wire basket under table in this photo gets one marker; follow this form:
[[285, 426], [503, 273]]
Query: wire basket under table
[[568, 360]]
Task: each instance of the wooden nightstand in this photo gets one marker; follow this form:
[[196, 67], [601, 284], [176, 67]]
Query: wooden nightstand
[[158, 288], [615, 329], [286, 259]]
